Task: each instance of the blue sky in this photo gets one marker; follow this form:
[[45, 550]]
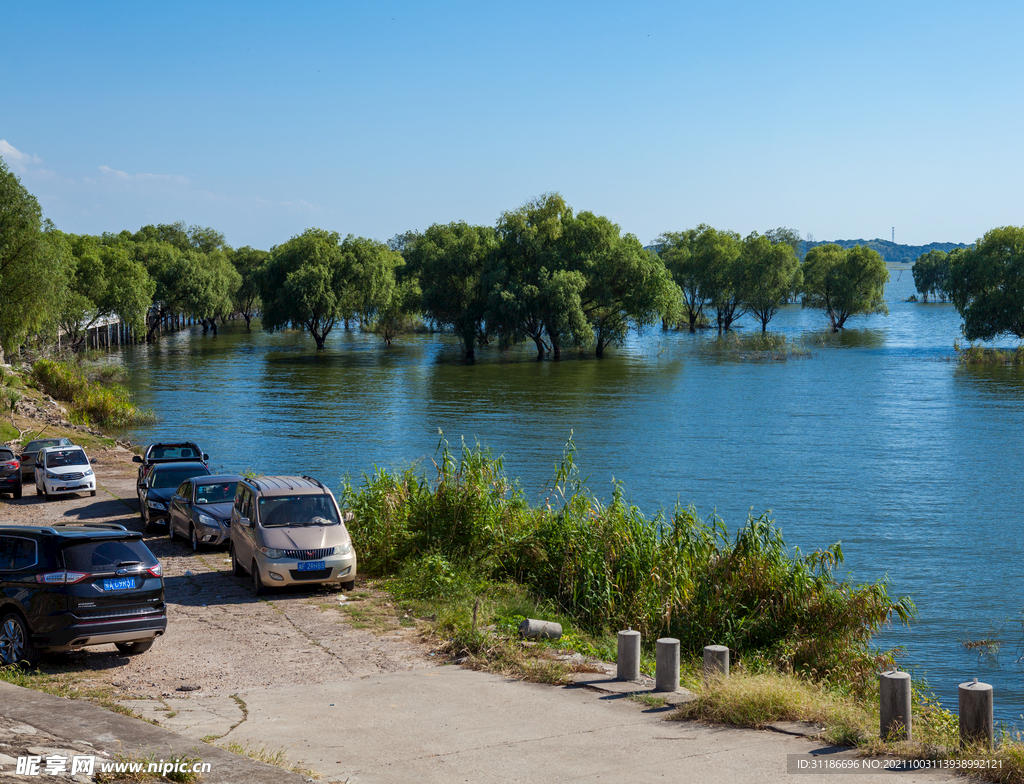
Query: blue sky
[[263, 119]]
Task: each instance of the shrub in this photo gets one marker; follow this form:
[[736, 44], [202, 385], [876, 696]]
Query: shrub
[[91, 402]]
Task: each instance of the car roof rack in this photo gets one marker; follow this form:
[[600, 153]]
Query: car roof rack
[[317, 482]]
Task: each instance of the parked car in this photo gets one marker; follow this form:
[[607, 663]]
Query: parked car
[[287, 530], [158, 486], [64, 469], [169, 452], [66, 587], [10, 472], [30, 452], [200, 510]]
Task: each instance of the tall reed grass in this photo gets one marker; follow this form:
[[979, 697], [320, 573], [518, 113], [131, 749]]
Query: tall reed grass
[[609, 567], [96, 402]]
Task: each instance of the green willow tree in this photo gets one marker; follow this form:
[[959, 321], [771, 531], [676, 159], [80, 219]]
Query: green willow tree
[[34, 264], [375, 292], [105, 281], [844, 283], [303, 284], [676, 252], [931, 274], [986, 284], [451, 260], [770, 271], [247, 262], [531, 292]]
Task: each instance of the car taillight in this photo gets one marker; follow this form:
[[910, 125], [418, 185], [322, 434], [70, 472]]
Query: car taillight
[[156, 570], [14, 464], [61, 578]]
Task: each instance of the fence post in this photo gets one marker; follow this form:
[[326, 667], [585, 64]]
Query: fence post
[[716, 661], [976, 714], [666, 664], [894, 705]]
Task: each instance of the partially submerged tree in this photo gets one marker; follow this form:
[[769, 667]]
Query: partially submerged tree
[[451, 260], [303, 283], [931, 274], [769, 273], [248, 261], [986, 284], [844, 283]]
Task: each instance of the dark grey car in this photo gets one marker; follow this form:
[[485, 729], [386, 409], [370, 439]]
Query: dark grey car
[[200, 510], [31, 452]]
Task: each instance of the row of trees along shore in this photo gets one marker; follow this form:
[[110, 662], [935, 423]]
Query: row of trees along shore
[[543, 273]]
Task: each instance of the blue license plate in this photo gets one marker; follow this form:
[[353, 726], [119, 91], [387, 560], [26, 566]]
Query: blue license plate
[[119, 584], [312, 566]]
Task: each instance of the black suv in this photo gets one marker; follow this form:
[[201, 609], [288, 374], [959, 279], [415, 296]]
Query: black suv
[[10, 472], [168, 452], [65, 587]]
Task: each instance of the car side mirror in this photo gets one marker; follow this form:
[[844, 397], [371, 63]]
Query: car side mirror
[[205, 456], [136, 459], [348, 517], [245, 522]]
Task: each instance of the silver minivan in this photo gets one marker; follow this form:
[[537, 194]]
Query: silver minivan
[[288, 530]]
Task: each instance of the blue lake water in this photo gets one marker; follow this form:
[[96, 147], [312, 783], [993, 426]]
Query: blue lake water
[[875, 439]]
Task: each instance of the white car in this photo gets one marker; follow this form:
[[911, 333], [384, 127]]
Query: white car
[[63, 469]]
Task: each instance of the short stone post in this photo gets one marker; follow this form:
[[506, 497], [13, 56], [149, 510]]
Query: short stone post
[[628, 660], [976, 714], [716, 661], [894, 692], [666, 664]]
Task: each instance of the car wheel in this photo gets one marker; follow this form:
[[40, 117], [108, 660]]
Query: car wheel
[[171, 533], [348, 585], [92, 493], [134, 648], [258, 587], [236, 568], [17, 493], [46, 493], [15, 645], [38, 491], [193, 539]]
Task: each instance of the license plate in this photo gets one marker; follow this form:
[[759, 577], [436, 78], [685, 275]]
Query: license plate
[[119, 584], [312, 566]]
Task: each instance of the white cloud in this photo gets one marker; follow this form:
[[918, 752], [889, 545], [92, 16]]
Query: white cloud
[[301, 205], [15, 158], [117, 174]]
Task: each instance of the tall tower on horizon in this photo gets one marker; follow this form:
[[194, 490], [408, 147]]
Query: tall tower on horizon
[[893, 235]]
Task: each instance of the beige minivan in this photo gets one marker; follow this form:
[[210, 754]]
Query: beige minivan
[[287, 530]]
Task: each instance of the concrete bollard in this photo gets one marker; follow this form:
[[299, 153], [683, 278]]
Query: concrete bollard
[[666, 664], [716, 661], [976, 714], [894, 693], [533, 629], [628, 659]]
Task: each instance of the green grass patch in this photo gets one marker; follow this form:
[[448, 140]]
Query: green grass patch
[[262, 754], [753, 347], [94, 399], [979, 355]]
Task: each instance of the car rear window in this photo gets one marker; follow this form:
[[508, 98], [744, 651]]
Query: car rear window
[[282, 510], [6, 454], [106, 555], [218, 493], [172, 477], [178, 452]]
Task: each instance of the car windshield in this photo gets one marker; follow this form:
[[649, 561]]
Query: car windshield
[[172, 477], [66, 457], [286, 510], [35, 446], [106, 556], [219, 493], [175, 452]]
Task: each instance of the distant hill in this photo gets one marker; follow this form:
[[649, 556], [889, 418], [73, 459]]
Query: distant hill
[[889, 251]]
